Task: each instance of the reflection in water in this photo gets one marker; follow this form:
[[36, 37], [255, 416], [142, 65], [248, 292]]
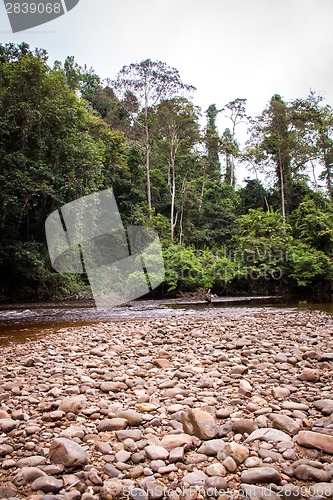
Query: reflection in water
[[20, 322]]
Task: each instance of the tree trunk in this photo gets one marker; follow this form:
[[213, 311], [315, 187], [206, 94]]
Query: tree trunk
[[283, 201], [172, 184], [147, 145]]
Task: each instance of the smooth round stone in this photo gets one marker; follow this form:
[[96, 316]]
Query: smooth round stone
[[252, 462]]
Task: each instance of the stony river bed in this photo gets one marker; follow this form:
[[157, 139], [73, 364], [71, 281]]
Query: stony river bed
[[184, 407]]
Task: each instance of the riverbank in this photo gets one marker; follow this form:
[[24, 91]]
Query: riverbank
[[182, 406]]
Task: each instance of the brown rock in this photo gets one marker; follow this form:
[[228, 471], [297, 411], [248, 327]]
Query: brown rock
[[172, 441], [309, 375], [238, 452], [199, 423], [311, 439], [68, 453], [73, 404]]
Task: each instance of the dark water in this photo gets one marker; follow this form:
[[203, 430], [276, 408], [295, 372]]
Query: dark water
[[20, 322]]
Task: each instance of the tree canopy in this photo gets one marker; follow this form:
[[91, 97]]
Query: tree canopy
[[65, 133]]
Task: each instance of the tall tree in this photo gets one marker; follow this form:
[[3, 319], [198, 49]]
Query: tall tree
[[212, 143], [235, 111], [150, 82], [273, 140], [314, 123], [230, 149], [177, 122]]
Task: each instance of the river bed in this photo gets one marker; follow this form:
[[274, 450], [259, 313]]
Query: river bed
[[21, 322]]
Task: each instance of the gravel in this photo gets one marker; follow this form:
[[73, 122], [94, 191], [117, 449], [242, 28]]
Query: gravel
[[184, 408]]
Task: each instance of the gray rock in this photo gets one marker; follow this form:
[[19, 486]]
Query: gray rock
[[196, 458], [230, 464], [285, 423], [32, 461], [268, 434], [307, 473], [123, 456], [261, 475], [323, 403], [27, 475], [216, 469], [73, 431], [8, 424], [212, 447], [5, 449], [177, 454], [134, 434], [292, 405], [252, 462], [111, 471], [326, 356], [48, 484], [216, 483], [155, 490], [113, 387], [154, 452], [245, 388], [156, 464], [196, 478]]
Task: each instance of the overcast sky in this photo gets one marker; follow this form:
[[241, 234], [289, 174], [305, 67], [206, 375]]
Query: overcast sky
[[227, 49]]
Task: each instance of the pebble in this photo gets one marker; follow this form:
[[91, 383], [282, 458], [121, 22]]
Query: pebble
[[237, 452], [48, 484], [285, 423], [195, 478], [199, 423], [311, 439], [261, 475], [155, 452], [181, 406], [68, 453]]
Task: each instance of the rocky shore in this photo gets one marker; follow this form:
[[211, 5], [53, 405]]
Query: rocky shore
[[204, 406]]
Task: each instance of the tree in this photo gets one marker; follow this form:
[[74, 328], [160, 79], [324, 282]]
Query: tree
[[177, 124], [253, 195], [235, 111], [313, 225], [314, 123], [230, 148], [149, 82], [273, 140], [212, 143], [52, 151]]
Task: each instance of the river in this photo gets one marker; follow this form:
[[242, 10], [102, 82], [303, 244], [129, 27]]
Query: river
[[21, 322]]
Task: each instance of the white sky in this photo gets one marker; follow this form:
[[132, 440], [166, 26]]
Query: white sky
[[227, 49]]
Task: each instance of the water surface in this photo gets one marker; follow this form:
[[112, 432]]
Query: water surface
[[21, 322]]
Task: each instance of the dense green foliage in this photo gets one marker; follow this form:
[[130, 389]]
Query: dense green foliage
[[64, 133]]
